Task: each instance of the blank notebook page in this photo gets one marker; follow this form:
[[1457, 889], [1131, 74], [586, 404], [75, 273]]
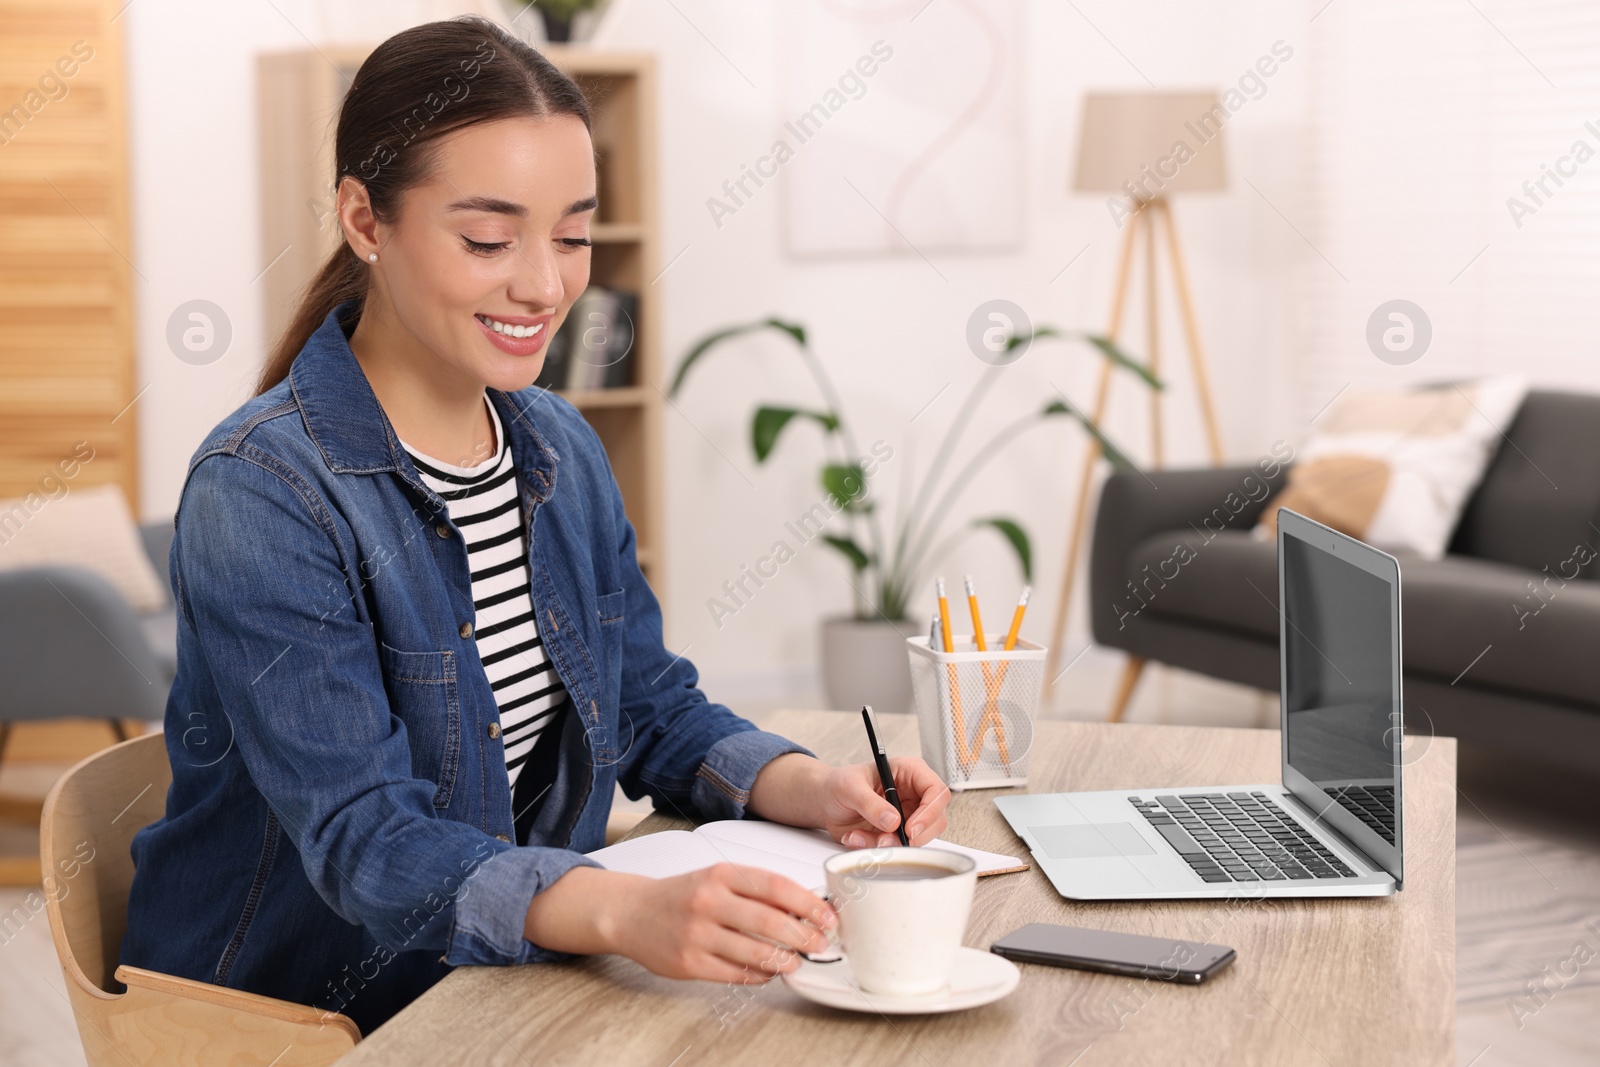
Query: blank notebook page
[[790, 851]]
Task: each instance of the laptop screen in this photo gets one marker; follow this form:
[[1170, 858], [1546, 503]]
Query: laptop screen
[[1341, 683]]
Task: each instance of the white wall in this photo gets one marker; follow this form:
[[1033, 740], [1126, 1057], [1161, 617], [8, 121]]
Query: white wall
[[889, 329], [196, 193], [1430, 130]]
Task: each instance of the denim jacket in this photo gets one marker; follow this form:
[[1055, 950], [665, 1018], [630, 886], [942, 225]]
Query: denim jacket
[[338, 831]]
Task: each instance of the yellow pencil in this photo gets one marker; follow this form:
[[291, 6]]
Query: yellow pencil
[[991, 707], [977, 621], [1016, 619], [1010, 645], [958, 721]]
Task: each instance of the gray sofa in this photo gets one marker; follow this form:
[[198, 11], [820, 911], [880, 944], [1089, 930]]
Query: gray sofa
[[72, 647], [1501, 637]]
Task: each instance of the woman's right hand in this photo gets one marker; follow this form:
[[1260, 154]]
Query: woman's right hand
[[724, 923]]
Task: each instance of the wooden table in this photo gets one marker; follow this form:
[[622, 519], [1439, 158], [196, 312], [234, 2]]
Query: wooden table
[[1357, 982]]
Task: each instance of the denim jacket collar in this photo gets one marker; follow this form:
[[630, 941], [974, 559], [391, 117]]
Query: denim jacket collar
[[349, 427]]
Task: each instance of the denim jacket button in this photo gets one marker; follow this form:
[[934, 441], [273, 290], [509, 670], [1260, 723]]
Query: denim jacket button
[[442, 530], [466, 629], [501, 837], [494, 729]]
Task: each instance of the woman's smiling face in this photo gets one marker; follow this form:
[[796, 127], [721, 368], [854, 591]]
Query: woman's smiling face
[[498, 235]]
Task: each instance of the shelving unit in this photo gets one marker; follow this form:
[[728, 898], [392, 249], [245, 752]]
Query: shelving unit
[[66, 252], [300, 95], [67, 367]]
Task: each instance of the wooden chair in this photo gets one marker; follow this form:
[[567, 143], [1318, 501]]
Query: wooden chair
[[93, 812]]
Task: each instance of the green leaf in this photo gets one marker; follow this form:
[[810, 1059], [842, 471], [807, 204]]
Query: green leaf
[[1114, 455], [793, 329], [858, 559], [1016, 537], [564, 9], [701, 347], [1109, 349], [770, 421], [716, 337], [1029, 338], [846, 483], [1105, 345]]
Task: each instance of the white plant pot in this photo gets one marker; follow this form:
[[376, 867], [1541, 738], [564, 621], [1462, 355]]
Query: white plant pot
[[866, 663]]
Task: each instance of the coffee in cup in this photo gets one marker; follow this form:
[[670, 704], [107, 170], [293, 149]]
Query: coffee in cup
[[902, 915]]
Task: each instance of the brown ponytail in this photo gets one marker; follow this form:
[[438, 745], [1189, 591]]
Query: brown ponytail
[[414, 88]]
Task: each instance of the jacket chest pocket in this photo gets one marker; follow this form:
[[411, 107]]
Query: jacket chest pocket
[[608, 606], [423, 694], [611, 622]]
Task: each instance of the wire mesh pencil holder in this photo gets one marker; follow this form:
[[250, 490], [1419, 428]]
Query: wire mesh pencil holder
[[976, 710]]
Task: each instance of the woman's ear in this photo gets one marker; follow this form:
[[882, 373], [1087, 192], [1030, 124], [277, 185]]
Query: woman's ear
[[354, 210]]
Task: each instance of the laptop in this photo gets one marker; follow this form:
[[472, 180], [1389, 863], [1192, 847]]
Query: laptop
[[1331, 827]]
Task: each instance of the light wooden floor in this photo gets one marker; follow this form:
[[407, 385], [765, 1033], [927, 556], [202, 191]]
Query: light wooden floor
[[1528, 884]]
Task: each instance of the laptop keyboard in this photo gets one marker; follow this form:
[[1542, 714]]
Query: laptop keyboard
[[1373, 805], [1240, 837]]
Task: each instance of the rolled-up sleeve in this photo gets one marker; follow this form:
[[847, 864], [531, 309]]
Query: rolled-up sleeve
[[493, 903], [723, 781], [303, 690]]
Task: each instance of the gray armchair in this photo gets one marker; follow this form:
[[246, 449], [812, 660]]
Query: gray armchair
[[72, 647], [1500, 636]]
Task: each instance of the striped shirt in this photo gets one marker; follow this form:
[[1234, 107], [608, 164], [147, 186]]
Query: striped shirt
[[482, 502]]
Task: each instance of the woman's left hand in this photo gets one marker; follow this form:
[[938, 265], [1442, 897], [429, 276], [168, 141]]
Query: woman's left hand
[[855, 813]]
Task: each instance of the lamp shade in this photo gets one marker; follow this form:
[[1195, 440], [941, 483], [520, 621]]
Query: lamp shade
[[1162, 143]]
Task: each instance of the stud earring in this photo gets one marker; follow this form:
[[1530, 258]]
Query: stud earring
[[373, 256]]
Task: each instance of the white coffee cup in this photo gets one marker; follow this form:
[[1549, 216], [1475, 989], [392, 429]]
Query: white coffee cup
[[900, 934]]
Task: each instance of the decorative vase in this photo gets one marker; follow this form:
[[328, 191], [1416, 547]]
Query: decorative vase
[[864, 662]]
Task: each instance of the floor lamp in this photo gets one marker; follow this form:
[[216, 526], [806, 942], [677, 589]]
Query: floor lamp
[[1140, 149]]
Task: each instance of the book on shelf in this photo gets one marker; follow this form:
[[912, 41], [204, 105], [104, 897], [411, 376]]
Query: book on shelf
[[594, 347], [553, 375]]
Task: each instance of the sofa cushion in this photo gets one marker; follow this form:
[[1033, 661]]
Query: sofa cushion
[[1395, 467], [1517, 629], [1230, 580], [89, 527], [1541, 493]]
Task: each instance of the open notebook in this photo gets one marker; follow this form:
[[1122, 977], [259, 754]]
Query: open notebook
[[792, 852]]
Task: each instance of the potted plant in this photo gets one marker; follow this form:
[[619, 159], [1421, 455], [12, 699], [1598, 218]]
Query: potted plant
[[863, 654], [558, 16]]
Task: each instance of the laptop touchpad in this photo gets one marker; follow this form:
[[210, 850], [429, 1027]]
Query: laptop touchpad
[[1082, 841]]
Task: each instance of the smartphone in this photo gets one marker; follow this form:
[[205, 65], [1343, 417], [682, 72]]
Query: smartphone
[[1163, 958]]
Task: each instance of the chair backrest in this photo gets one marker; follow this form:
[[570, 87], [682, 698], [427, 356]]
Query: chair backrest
[[1542, 489], [90, 817]]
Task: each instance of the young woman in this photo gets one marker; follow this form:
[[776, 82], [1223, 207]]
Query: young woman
[[416, 653]]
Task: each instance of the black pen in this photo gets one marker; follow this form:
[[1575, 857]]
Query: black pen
[[879, 756]]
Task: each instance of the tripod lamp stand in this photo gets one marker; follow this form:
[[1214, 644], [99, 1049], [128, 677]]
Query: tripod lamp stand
[[1140, 149]]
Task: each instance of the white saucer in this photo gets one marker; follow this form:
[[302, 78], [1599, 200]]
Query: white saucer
[[977, 978]]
